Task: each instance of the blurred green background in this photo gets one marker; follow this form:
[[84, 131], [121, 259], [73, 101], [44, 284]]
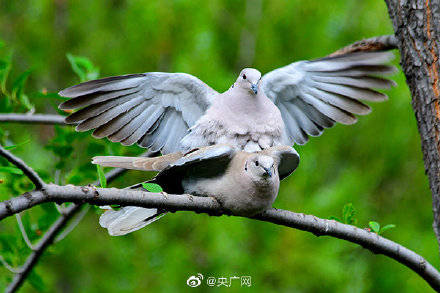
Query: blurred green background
[[375, 164]]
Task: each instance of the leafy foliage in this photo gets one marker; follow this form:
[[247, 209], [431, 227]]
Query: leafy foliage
[[348, 215], [60, 145], [375, 227], [83, 67], [12, 170]]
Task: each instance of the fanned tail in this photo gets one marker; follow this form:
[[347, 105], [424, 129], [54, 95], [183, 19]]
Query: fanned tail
[[128, 219], [137, 163]]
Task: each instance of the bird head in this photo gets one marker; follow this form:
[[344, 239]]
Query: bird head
[[249, 79], [260, 167]]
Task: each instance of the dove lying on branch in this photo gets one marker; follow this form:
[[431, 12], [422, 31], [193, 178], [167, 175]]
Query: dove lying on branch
[[172, 112], [243, 183]]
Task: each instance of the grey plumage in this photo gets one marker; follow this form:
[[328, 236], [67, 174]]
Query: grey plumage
[[243, 183], [332, 86], [131, 108], [178, 112]]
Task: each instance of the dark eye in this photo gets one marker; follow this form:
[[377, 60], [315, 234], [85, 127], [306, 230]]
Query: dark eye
[[257, 163], [244, 76]]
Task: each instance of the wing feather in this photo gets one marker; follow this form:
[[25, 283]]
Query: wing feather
[[135, 108], [119, 122], [313, 95], [108, 115]]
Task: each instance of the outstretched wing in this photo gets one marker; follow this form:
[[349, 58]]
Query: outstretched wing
[[287, 159], [206, 162], [313, 95], [153, 109]]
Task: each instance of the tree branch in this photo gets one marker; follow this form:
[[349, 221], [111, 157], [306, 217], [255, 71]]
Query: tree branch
[[8, 266], [173, 203], [33, 118], [417, 28], [73, 224], [28, 171]]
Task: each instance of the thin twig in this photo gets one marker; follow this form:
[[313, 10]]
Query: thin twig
[[173, 203], [73, 224], [40, 247], [9, 267], [60, 208], [28, 171], [23, 232], [33, 118]]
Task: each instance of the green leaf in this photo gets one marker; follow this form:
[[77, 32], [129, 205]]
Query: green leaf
[[2, 44], [17, 145], [386, 227], [11, 170], [18, 88], [375, 226], [152, 187], [348, 214], [101, 177], [83, 67], [4, 71], [24, 101], [115, 207]]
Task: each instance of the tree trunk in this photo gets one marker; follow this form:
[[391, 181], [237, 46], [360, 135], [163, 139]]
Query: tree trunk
[[417, 27]]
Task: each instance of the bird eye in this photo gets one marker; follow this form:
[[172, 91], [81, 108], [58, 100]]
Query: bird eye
[[257, 163], [244, 76]]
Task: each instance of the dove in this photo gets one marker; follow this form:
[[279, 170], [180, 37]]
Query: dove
[[172, 112], [243, 183]]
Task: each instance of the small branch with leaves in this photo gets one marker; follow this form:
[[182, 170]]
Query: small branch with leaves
[[53, 233]]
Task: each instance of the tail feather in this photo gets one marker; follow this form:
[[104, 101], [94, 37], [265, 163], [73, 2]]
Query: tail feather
[[128, 219], [137, 163]]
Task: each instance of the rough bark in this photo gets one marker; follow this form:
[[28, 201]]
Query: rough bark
[[417, 28]]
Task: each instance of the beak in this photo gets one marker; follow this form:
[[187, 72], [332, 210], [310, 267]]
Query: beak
[[254, 88], [268, 171]]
